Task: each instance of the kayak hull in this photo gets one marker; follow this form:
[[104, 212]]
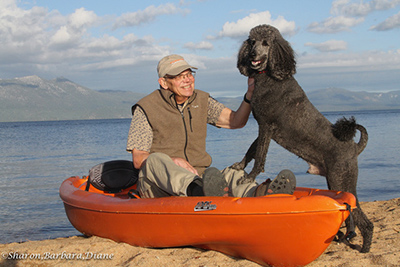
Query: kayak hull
[[279, 230]]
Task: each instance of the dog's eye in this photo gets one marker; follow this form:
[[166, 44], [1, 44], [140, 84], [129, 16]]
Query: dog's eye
[[265, 43], [251, 42]]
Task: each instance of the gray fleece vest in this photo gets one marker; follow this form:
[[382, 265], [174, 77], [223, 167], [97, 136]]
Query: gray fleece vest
[[178, 133]]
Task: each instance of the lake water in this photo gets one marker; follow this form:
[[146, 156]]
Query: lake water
[[37, 156]]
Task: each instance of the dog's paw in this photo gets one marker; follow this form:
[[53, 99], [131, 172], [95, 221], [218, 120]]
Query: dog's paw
[[238, 166], [245, 180]]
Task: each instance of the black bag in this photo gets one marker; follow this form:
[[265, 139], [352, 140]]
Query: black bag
[[113, 176]]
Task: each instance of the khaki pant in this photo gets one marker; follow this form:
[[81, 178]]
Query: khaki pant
[[161, 177]]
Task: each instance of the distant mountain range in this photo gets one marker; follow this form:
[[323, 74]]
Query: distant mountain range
[[35, 99]]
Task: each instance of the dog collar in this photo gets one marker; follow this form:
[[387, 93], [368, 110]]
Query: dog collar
[[264, 71]]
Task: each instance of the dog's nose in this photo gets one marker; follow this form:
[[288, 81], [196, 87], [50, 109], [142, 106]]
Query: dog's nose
[[252, 54]]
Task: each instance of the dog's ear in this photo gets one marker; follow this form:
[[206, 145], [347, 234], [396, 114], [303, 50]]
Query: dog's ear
[[244, 59], [281, 62]]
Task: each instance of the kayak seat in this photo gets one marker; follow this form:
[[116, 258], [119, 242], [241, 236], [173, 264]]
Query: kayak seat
[[113, 176]]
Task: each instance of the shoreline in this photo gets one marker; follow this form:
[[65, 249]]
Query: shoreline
[[86, 251]]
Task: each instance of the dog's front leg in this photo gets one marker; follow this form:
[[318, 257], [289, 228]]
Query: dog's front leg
[[261, 149], [247, 158], [264, 139]]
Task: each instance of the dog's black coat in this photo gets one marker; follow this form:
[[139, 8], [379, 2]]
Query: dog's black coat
[[285, 114]]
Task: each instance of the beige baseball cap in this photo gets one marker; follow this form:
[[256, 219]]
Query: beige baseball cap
[[172, 65]]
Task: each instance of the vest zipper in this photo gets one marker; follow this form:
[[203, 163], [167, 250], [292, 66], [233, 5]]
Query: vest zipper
[[186, 134], [190, 120]]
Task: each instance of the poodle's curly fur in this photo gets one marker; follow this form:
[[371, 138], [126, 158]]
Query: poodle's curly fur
[[285, 114]]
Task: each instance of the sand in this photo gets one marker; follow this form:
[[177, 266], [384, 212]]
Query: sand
[[385, 250]]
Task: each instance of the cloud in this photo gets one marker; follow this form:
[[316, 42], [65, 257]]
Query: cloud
[[329, 46], [241, 28], [347, 15], [82, 18], [16, 23], [364, 71], [22, 36], [363, 61], [204, 45], [334, 24], [74, 29], [39, 39], [389, 24], [77, 45], [147, 15], [361, 9], [369, 70]]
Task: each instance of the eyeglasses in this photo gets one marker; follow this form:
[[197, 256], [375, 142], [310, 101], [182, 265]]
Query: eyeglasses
[[181, 77]]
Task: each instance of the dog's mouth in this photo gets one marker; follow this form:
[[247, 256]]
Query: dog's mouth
[[257, 64]]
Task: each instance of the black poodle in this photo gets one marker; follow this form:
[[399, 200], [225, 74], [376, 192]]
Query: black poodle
[[285, 114]]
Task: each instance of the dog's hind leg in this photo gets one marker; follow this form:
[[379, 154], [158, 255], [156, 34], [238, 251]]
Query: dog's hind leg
[[362, 222], [347, 181], [247, 158], [366, 228]]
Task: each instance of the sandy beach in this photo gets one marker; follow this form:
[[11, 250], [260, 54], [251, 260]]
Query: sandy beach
[[84, 251]]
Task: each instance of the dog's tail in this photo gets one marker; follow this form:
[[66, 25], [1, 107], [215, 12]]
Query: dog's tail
[[363, 139], [345, 130]]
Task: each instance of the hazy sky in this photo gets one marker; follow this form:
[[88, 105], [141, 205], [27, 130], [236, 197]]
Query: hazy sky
[[116, 45]]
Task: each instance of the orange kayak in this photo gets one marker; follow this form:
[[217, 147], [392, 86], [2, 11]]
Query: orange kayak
[[278, 230]]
